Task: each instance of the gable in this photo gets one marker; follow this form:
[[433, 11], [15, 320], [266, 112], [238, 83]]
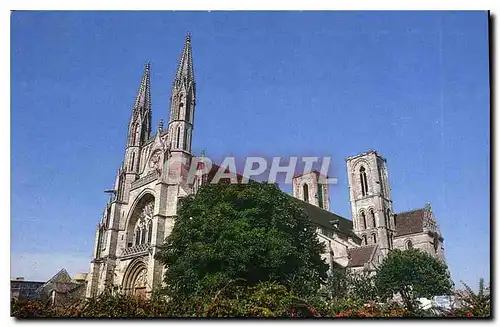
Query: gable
[[410, 222], [359, 256]]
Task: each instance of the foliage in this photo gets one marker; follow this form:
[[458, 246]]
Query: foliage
[[103, 306], [373, 309], [253, 232], [413, 274], [471, 304], [336, 284], [361, 286], [31, 309], [268, 299], [357, 286]]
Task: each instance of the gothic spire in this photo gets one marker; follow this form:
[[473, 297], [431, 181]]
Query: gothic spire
[[185, 70], [143, 99], [140, 122]]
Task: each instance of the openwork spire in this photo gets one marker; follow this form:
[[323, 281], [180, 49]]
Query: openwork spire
[[185, 70], [143, 99], [140, 122]]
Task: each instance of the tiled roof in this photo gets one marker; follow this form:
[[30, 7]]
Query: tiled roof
[[62, 277], [359, 256], [409, 222], [64, 287], [324, 218]]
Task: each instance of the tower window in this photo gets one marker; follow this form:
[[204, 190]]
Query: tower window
[[374, 238], [137, 236], [99, 241], [181, 105], [363, 219], [389, 240], [188, 113], [388, 222], [374, 221], [363, 240], [150, 231], [178, 137], [363, 180], [305, 189], [320, 195], [185, 145], [133, 133], [143, 236]]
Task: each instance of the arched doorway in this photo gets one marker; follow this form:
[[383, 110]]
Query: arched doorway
[[135, 279]]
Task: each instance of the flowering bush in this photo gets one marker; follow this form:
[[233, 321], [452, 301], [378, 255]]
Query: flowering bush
[[268, 299]]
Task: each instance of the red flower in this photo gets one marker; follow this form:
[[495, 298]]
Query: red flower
[[469, 314]]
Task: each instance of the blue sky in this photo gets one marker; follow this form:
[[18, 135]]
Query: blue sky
[[412, 85]]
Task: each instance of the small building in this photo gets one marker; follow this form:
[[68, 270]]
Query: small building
[[61, 288], [21, 289]]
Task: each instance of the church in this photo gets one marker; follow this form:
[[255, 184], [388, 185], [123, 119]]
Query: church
[[140, 212]]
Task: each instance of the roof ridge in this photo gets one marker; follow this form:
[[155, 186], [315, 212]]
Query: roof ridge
[[363, 247], [409, 211], [336, 214]]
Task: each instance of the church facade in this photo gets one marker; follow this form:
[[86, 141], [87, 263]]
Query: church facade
[[140, 212]]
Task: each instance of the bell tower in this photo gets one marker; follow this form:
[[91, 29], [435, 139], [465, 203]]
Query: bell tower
[[311, 188], [370, 197]]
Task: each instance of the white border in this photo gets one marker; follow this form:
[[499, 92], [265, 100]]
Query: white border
[[190, 5]]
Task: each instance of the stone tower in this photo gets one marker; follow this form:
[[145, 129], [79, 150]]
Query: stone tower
[[312, 188], [181, 120], [370, 197]]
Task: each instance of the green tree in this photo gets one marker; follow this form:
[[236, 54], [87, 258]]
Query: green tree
[[337, 283], [362, 286], [253, 232], [413, 274], [345, 285]]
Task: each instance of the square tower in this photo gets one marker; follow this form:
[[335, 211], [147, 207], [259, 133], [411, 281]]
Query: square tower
[[370, 197], [312, 188]]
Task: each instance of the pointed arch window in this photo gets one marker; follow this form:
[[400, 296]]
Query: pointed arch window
[[133, 161], [372, 215], [150, 231], [320, 195], [188, 113], [374, 238], [135, 131], [363, 240], [137, 236], [181, 105], [137, 136], [363, 180], [178, 137], [185, 145], [389, 240], [409, 245], [99, 241], [363, 219], [143, 236], [305, 190]]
